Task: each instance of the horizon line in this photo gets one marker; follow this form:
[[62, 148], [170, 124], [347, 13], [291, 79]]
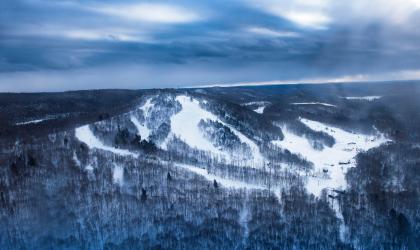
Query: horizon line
[[232, 85]]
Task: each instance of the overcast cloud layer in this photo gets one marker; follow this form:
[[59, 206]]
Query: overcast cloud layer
[[49, 45]]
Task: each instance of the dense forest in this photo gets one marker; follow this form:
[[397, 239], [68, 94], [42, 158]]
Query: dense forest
[[328, 166]]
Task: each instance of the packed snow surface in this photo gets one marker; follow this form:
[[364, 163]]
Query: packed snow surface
[[261, 106], [260, 110], [313, 103], [118, 174], [84, 134], [227, 183], [365, 98], [76, 160], [32, 121], [147, 106], [184, 125], [47, 118], [330, 164], [142, 129], [89, 167]]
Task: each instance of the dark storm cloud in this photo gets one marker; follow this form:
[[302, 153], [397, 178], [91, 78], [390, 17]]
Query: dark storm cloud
[[201, 42]]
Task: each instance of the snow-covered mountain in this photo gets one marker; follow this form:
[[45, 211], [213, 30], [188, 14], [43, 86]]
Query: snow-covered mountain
[[167, 120], [176, 168]]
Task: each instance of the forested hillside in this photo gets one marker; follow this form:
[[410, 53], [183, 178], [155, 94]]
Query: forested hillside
[[329, 166]]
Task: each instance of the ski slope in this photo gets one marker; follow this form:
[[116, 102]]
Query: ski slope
[[313, 103], [184, 125], [142, 129], [330, 164], [85, 135], [224, 182]]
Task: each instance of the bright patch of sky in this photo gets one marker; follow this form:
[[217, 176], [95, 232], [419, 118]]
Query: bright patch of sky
[[149, 12]]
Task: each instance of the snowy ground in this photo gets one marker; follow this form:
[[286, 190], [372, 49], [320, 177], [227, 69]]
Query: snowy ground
[[142, 129], [147, 106], [118, 174], [261, 106], [330, 164], [364, 98], [313, 103], [31, 121], [84, 134], [47, 118], [224, 182], [184, 125], [260, 110], [261, 103]]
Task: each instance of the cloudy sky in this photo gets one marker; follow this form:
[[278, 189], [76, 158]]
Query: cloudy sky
[[51, 45]]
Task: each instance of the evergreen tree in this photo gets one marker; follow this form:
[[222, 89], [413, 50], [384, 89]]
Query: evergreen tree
[[143, 194], [215, 185]]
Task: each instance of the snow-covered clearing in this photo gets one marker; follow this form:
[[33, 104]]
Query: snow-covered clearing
[[32, 122], [227, 183], [364, 98], [313, 103], [261, 103], [84, 134], [47, 118], [330, 164], [260, 110], [147, 106], [335, 205], [245, 217], [261, 106], [118, 175], [89, 168], [142, 129], [76, 160], [184, 125]]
